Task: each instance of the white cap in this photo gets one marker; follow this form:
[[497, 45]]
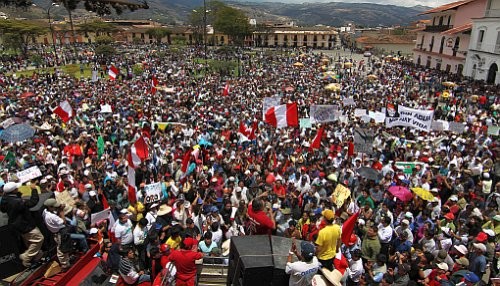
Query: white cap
[[408, 214], [92, 193], [435, 190], [88, 186], [93, 230], [461, 248], [480, 246], [454, 198], [10, 187], [489, 232], [405, 221], [153, 205], [442, 266]]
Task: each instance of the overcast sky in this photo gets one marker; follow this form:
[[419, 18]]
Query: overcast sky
[[430, 3]]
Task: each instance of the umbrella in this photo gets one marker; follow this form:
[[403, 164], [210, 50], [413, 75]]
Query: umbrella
[[332, 177], [372, 77], [17, 133], [445, 94], [298, 64], [401, 193], [423, 193], [449, 84], [369, 173], [347, 65], [333, 87]]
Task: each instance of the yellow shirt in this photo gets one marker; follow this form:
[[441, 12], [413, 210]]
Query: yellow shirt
[[137, 212], [174, 243], [327, 241]]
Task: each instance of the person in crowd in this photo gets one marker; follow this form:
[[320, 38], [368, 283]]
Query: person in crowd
[[328, 241], [21, 221], [129, 270], [302, 271], [55, 220], [184, 261]]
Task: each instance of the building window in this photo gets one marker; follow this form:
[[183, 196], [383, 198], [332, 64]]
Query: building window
[[431, 45], [441, 46], [449, 20], [422, 42], [480, 39], [455, 47], [441, 21], [434, 21], [497, 45]]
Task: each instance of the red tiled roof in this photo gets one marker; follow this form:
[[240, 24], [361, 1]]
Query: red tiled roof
[[459, 29], [447, 7]]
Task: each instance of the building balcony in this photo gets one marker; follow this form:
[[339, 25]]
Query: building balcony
[[487, 47], [437, 28], [444, 56], [492, 13]]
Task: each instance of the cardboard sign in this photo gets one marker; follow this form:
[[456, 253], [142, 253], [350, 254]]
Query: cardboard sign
[[322, 113], [493, 130], [7, 122], [99, 216], [106, 108], [29, 174], [305, 123], [65, 198], [408, 166], [358, 112], [340, 194], [379, 117], [457, 127], [348, 101], [153, 193], [363, 140]]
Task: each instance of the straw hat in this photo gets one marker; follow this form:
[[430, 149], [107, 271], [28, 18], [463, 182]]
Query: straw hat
[[333, 277], [164, 209]]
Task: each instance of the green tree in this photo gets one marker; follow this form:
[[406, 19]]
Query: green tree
[[105, 50], [20, 33], [232, 22], [104, 40], [158, 33]]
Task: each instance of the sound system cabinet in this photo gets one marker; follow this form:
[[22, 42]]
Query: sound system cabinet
[[259, 260]]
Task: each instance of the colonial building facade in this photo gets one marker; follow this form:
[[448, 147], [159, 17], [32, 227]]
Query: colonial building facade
[[483, 57]]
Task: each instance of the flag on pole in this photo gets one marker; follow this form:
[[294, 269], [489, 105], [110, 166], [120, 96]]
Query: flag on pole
[[348, 228], [226, 90], [138, 154], [113, 72], [100, 146], [185, 161], [64, 111], [285, 115], [154, 84], [317, 139]]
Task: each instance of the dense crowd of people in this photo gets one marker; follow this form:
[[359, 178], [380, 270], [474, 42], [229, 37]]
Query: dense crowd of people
[[218, 182]]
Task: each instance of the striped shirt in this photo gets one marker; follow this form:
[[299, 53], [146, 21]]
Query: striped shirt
[[128, 271]]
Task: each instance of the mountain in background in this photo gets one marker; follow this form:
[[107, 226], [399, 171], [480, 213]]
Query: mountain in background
[[304, 14]]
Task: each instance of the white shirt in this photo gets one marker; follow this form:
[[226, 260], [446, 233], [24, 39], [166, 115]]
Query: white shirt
[[124, 232], [355, 270], [151, 219], [53, 222], [384, 233], [139, 235], [301, 273]]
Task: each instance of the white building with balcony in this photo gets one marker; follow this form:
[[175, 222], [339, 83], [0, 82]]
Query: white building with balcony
[[483, 57], [444, 42]]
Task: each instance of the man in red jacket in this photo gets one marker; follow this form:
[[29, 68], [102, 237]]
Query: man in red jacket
[[184, 261], [260, 222]]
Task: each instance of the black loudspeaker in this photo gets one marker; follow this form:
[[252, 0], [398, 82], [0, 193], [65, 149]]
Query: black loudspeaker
[[250, 261], [259, 260], [9, 253]]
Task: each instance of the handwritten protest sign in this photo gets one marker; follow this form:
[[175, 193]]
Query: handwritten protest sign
[[106, 108], [29, 174], [153, 193], [305, 123], [322, 113], [340, 194], [457, 127], [358, 112], [99, 216], [348, 101], [65, 198], [493, 130], [363, 140]]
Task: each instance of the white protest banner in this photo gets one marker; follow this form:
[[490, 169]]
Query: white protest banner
[[493, 130], [409, 117], [29, 174], [456, 127], [358, 112], [153, 193], [438, 125], [348, 101], [269, 102], [106, 108], [305, 123], [7, 122], [99, 216], [322, 113], [378, 116]]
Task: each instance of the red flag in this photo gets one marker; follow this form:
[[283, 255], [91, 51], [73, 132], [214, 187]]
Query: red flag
[[255, 127], [225, 91], [64, 111], [285, 115], [185, 161], [317, 139], [104, 201], [154, 84], [138, 153], [113, 72], [348, 228], [243, 129]]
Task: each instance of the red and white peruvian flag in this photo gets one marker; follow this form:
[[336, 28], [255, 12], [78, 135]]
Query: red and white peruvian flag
[[316, 143], [138, 154], [113, 72], [285, 115], [225, 91], [248, 131], [64, 111], [154, 84]]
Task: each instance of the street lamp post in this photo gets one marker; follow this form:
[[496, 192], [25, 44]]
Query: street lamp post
[[205, 31], [52, 29]]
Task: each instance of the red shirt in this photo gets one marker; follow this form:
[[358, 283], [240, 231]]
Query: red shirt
[[263, 224], [184, 261]]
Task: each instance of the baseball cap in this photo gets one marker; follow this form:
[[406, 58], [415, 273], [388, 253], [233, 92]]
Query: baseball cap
[[461, 248], [352, 240], [405, 221], [480, 246], [307, 250], [471, 277], [442, 266], [10, 187], [93, 230], [449, 216], [482, 237], [328, 214], [189, 242], [463, 261]]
